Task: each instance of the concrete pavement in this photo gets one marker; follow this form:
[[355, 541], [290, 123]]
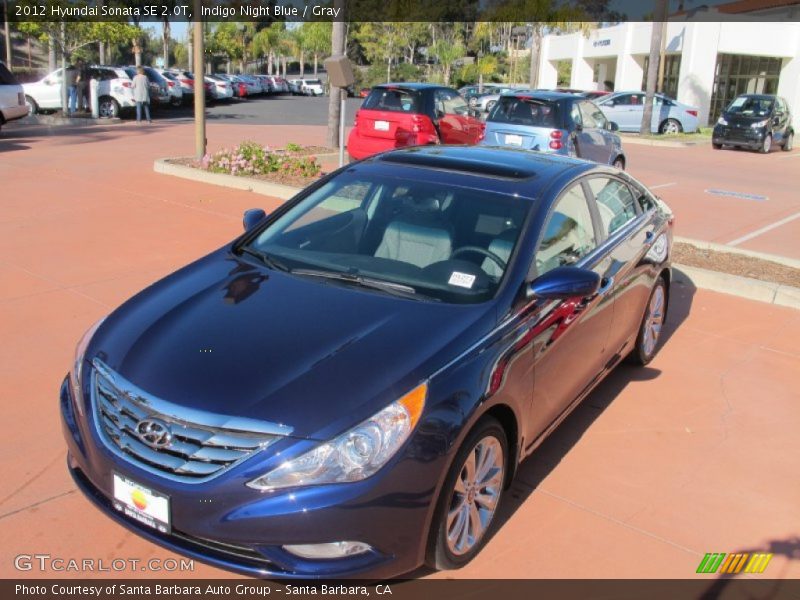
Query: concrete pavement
[[660, 465]]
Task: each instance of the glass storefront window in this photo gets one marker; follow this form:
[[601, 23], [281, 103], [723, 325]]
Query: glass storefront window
[[740, 74]]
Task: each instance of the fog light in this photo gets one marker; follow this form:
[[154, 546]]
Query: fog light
[[328, 550]]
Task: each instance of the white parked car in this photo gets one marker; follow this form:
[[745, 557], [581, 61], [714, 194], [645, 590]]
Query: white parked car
[[12, 97], [279, 84], [173, 87], [221, 88], [115, 91], [306, 87]]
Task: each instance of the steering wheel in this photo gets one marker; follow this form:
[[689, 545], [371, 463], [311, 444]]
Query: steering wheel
[[478, 250]]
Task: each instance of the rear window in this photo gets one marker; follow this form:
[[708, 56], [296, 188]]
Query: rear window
[[393, 100], [525, 111], [313, 82], [6, 76]]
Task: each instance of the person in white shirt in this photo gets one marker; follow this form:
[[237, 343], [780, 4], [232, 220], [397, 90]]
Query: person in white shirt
[[141, 94]]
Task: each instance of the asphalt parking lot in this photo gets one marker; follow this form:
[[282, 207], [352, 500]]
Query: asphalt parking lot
[[690, 455]]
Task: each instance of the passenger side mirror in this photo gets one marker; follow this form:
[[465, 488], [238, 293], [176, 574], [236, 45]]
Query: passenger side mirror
[[562, 283], [613, 126], [253, 217]]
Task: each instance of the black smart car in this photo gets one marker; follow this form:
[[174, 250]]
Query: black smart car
[[756, 121]]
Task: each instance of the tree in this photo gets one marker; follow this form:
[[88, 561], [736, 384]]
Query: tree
[[338, 48], [296, 45], [661, 11], [380, 42], [7, 33], [447, 52], [317, 35]]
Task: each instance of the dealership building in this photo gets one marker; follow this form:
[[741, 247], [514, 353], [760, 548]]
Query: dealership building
[[707, 63]]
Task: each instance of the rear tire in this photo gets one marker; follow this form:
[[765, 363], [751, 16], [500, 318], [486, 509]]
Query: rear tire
[[716, 146], [108, 108], [670, 127], [652, 325], [619, 163], [788, 144], [766, 145], [470, 496]]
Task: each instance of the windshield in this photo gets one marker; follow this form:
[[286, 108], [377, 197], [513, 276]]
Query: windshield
[[439, 242], [750, 106], [392, 99], [525, 111]]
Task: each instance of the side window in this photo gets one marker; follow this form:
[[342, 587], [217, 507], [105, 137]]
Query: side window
[[593, 117], [575, 114], [615, 202], [569, 233], [454, 104], [623, 100]]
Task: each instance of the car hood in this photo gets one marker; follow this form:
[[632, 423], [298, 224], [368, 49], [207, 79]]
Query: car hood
[[229, 337]]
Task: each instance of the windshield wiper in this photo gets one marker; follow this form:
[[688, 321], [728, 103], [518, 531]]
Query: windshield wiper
[[265, 258], [397, 289]]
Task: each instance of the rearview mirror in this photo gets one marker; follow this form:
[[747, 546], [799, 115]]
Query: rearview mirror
[[253, 217], [562, 283]]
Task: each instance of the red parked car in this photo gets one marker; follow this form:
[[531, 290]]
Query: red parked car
[[395, 115]]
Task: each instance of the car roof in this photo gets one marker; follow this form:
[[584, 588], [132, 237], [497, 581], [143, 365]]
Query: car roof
[[759, 96], [506, 167], [545, 95], [410, 85]]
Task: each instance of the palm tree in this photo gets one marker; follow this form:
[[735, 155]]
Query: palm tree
[[660, 15]]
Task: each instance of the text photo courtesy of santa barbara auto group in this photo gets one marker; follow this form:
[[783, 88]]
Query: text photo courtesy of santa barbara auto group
[[400, 298]]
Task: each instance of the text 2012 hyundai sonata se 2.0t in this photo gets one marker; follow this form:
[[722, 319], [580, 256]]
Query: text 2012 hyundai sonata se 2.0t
[[347, 389]]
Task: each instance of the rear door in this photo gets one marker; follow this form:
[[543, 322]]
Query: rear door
[[627, 233], [594, 141], [387, 113]]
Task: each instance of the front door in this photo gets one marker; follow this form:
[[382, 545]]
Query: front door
[[452, 116], [570, 338]]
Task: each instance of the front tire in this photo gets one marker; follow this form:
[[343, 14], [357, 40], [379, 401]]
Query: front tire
[[619, 163], [652, 325], [469, 497], [766, 145], [33, 108], [716, 146]]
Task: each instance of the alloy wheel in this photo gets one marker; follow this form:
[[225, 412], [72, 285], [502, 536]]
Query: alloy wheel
[[671, 127], [654, 321], [475, 496]]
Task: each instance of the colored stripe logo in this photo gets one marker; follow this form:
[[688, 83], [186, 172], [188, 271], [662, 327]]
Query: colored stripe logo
[[719, 562]]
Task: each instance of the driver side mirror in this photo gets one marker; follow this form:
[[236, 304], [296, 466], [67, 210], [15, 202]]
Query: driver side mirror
[[613, 126], [562, 283], [253, 217]]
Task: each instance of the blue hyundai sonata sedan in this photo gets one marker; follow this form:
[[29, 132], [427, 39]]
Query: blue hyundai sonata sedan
[[347, 389]]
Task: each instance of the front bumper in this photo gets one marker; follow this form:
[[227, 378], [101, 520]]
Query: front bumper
[[226, 524], [747, 137]]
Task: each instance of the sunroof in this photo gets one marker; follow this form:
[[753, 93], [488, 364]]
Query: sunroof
[[470, 166]]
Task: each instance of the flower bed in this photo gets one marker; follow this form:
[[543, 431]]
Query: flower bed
[[293, 165]]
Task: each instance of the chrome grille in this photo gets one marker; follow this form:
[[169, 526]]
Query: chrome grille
[[201, 445]]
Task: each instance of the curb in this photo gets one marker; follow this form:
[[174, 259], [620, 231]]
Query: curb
[[744, 287], [714, 247], [265, 188], [626, 139]]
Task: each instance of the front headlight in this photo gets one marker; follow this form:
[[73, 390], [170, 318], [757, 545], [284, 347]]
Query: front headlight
[[354, 455], [77, 365], [758, 124], [721, 121]]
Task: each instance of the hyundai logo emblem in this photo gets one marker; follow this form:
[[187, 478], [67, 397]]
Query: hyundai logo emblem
[[154, 432]]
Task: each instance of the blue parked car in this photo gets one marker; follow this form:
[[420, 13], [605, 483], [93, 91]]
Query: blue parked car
[[554, 122], [347, 389]]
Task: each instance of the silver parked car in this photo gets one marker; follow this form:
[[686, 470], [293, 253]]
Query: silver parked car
[[669, 116], [486, 102]]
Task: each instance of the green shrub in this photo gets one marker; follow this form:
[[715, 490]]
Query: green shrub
[[251, 158]]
